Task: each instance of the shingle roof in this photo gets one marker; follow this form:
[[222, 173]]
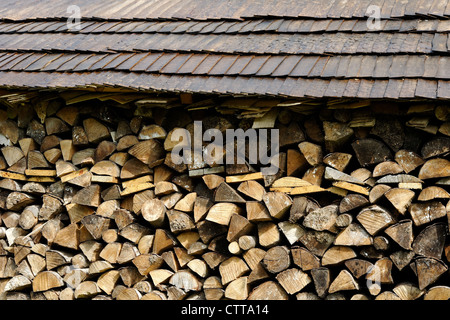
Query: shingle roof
[[314, 48]]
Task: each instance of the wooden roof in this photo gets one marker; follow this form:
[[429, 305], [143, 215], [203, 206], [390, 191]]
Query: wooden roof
[[307, 48]]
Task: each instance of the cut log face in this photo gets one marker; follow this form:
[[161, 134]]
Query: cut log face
[[430, 241], [400, 198], [408, 160], [337, 160], [435, 168], [375, 218], [277, 203], [423, 213], [343, 282], [428, 270], [352, 201], [312, 152], [401, 233], [322, 219]]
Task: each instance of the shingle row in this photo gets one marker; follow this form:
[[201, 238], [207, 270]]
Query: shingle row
[[222, 9], [230, 27], [326, 43], [308, 66], [290, 87]]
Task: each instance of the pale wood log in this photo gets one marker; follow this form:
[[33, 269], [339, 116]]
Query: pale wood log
[[343, 220], [437, 293], [154, 212], [353, 235], [293, 280], [231, 269], [351, 187], [149, 152], [337, 254], [312, 152], [257, 212], [407, 291], [212, 287], [336, 175], [162, 241], [107, 208], [237, 289], [12, 154], [179, 221], [247, 242], [268, 234], [86, 289], [36, 160], [34, 188], [291, 231], [91, 249], [68, 237], [253, 257], [386, 168], [401, 233], [277, 203], [16, 201], [305, 259], [47, 280], [106, 168], [253, 189], [27, 144], [401, 199], [337, 160], [212, 181], [221, 213], [344, 281], [426, 212], [269, 290], [186, 204], [84, 157], [435, 168], [377, 192], [96, 225], [52, 155], [134, 168], [433, 192], [108, 280], [375, 218]]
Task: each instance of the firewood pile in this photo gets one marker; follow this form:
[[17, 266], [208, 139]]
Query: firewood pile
[[93, 206]]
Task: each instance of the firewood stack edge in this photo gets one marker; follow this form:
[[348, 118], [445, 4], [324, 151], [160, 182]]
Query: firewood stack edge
[[93, 207]]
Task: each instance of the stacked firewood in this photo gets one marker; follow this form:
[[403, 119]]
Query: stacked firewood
[[92, 205]]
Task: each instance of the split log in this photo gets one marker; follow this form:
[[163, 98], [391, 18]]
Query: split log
[[375, 218], [370, 151]]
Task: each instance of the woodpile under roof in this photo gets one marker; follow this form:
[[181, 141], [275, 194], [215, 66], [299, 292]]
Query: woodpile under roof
[[94, 206]]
